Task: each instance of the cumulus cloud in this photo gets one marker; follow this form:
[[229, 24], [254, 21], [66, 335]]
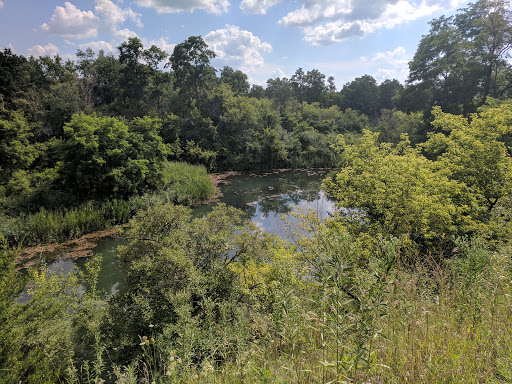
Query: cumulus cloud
[[70, 22], [97, 46], [391, 64], [176, 6], [257, 7], [124, 34], [238, 47], [113, 16], [48, 50], [332, 21], [163, 44]]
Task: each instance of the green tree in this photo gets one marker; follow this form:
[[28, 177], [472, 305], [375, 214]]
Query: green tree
[[190, 62], [463, 59], [361, 94], [392, 124], [107, 158], [179, 284], [16, 150], [397, 191], [237, 80], [475, 152], [388, 89]]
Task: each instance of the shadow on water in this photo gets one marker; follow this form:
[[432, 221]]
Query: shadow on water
[[264, 197]]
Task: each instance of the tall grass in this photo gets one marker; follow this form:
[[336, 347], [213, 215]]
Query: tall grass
[[58, 226], [184, 184], [435, 324]]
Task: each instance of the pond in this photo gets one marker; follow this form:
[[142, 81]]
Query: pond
[[266, 199]]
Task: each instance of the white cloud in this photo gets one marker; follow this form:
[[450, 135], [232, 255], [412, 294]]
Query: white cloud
[[391, 64], [70, 22], [97, 46], [332, 21], [334, 33], [175, 6], [163, 44], [1, 3], [238, 48], [112, 15], [258, 7], [48, 50], [124, 34]]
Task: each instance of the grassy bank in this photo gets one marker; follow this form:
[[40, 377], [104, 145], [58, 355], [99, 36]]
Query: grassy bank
[[184, 184], [451, 324], [326, 308]]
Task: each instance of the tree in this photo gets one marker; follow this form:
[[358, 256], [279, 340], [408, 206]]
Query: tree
[[13, 70], [474, 151], [190, 62], [180, 286], [237, 80], [395, 190], [387, 90], [463, 59], [280, 90], [392, 124], [257, 91], [308, 86], [361, 94], [105, 157], [16, 150]]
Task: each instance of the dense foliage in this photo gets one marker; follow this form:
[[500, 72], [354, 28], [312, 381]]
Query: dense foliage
[[409, 281]]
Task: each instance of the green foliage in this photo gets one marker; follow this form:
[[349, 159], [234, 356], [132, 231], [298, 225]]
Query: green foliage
[[462, 60], [475, 152], [397, 191], [106, 157], [62, 225], [182, 184], [37, 335], [16, 150], [177, 279], [392, 124]]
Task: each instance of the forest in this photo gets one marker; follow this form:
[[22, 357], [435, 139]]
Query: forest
[[408, 281]]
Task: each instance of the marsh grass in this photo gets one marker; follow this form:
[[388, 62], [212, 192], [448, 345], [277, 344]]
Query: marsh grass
[[184, 184]]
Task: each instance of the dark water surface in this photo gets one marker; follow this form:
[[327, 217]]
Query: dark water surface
[[266, 198]]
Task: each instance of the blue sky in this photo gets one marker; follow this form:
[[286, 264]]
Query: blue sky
[[263, 38]]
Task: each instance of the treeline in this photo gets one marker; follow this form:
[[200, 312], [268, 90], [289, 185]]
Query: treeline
[[115, 119]]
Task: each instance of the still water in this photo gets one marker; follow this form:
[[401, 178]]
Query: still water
[[266, 198]]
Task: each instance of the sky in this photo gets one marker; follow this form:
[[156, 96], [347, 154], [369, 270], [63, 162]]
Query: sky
[[263, 38]]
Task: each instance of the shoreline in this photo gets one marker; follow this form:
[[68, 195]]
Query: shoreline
[[72, 249], [82, 246]]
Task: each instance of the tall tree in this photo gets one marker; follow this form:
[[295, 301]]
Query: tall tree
[[361, 94], [190, 62], [463, 59]]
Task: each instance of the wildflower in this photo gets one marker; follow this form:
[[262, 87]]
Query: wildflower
[[151, 325], [436, 299]]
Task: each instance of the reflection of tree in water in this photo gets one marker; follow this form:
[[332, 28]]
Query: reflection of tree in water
[[284, 203], [272, 193]]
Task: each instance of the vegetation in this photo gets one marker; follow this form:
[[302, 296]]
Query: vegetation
[[409, 281]]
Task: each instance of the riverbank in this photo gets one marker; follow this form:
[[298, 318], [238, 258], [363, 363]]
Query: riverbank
[[72, 249], [82, 246]]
